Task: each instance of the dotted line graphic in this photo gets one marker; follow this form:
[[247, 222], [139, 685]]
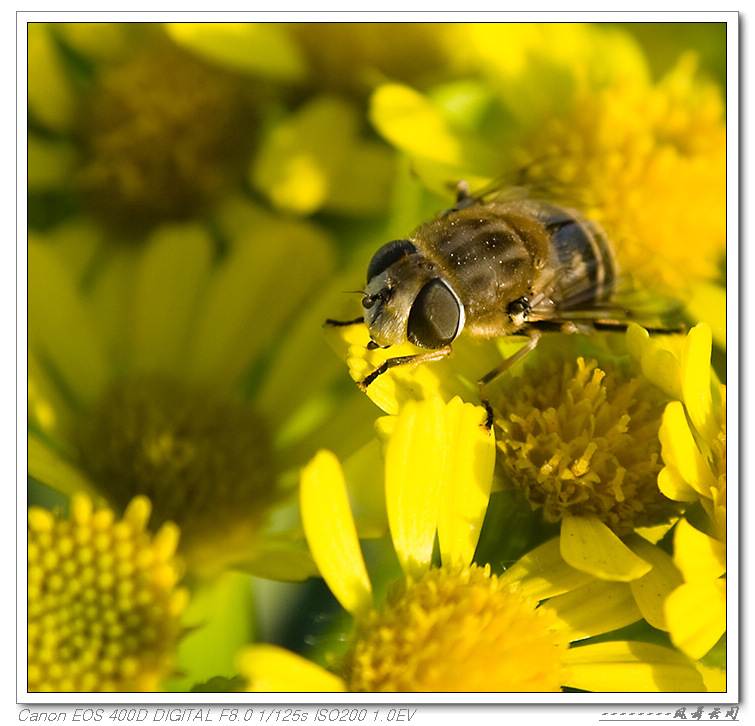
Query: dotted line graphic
[[638, 713]]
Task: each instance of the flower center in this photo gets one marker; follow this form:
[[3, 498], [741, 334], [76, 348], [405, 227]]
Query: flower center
[[455, 629], [103, 605], [204, 463], [582, 441], [162, 135]]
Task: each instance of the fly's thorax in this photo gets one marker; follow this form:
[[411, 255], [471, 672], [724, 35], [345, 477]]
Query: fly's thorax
[[490, 255]]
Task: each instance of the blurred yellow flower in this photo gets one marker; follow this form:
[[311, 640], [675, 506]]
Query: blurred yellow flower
[[571, 110], [109, 133], [170, 378]]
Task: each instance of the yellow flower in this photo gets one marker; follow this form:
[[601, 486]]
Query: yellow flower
[[169, 377], [574, 108], [577, 435], [693, 435], [456, 626], [646, 175], [580, 440], [103, 601]]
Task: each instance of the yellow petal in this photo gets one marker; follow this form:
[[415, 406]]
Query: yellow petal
[[415, 460], [542, 573], [49, 163], [270, 669], [696, 615], [673, 485], [715, 678], [696, 381], [331, 533], [680, 450], [60, 327], [383, 391], [707, 302], [258, 48], [47, 409], [300, 159], [99, 43], [50, 92], [698, 556], [166, 289], [79, 240], [651, 590], [590, 546], [658, 365], [48, 467], [408, 120], [626, 666], [595, 608], [364, 471], [401, 384], [237, 319], [467, 481]]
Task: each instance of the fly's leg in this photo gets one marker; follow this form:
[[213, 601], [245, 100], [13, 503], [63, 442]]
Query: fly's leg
[[621, 327], [343, 323], [403, 360], [500, 369]]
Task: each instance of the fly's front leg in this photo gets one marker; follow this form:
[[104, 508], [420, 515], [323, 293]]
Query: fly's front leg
[[502, 367], [403, 360], [343, 323]]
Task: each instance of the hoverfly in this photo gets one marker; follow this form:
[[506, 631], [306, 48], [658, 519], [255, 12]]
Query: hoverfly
[[489, 268]]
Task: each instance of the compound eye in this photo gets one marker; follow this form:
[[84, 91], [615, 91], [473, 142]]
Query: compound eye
[[434, 317], [387, 255]]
